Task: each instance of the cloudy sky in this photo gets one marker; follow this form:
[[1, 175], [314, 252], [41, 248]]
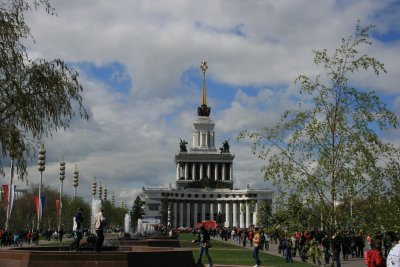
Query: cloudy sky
[[139, 63]]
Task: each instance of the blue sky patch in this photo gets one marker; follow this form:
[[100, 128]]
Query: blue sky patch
[[114, 75]]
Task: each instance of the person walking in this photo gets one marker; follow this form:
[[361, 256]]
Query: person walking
[[374, 256], [204, 239], [393, 259], [100, 222], [76, 228], [257, 243]]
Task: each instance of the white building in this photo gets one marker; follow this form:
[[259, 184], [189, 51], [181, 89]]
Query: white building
[[204, 183]]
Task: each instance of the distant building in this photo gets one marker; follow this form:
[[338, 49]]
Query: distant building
[[204, 183]]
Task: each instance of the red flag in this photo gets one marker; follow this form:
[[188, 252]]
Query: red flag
[[37, 206], [5, 190], [58, 207]]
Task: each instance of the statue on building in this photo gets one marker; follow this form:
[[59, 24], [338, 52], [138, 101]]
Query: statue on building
[[225, 147], [182, 145], [203, 110]]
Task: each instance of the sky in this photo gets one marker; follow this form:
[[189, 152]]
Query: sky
[[139, 64]]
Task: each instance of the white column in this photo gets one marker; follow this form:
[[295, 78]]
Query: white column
[[227, 217], [177, 171], [188, 214], [216, 171], [223, 171], [247, 215], [203, 211], [255, 214], [241, 215], [186, 171], [181, 214], [234, 214], [195, 213], [231, 171], [208, 170], [194, 171], [169, 214], [219, 207], [201, 171], [211, 211], [194, 140], [175, 212]]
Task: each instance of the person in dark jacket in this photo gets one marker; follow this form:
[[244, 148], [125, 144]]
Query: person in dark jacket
[[77, 228], [204, 239]]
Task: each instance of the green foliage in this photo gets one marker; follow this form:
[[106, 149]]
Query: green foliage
[[37, 97], [329, 150], [24, 212], [114, 215], [137, 211]]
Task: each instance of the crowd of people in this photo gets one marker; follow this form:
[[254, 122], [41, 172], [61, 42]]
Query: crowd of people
[[313, 246]]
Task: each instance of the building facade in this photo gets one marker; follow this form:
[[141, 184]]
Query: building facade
[[204, 182]]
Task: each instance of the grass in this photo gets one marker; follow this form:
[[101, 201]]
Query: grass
[[230, 254]]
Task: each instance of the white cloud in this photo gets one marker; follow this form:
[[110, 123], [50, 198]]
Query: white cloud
[[131, 138]]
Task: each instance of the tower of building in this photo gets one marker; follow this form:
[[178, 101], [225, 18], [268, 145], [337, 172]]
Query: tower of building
[[203, 166]]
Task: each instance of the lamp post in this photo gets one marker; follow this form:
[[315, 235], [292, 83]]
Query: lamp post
[[100, 191], [76, 180], [105, 194], [112, 199], [41, 168], [62, 177], [94, 188]]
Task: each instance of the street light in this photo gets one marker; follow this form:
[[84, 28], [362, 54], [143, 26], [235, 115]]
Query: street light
[[94, 188], [100, 191], [76, 180], [62, 177], [105, 194], [41, 168]]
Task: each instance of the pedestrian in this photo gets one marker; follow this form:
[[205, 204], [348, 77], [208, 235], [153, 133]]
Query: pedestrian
[[393, 259], [76, 228], [336, 246], [374, 257], [99, 222], [257, 243], [205, 243]]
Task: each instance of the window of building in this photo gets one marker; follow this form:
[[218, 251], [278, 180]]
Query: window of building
[[203, 196], [211, 196], [189, 195], [182, 195], [153, 207], [219, 195], [196, 195]]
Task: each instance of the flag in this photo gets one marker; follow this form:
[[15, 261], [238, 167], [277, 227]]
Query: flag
[[39, 212], [13, 188], [5, 191], [58, 207]]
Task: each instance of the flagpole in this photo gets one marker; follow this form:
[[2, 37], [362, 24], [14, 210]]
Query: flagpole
[[10, 192], [42, 163]]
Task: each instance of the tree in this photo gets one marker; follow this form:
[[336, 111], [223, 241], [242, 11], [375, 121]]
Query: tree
[[329, 150], [137, 211], [37, 97]]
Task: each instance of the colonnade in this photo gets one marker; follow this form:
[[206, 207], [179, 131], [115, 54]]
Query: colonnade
[[198, 171], [185, 213]]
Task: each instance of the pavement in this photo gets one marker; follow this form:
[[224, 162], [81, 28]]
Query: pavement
[[273, 250]]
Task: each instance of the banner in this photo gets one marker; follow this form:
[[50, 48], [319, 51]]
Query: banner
[[39, 213], [58, 207], [5, 191], [13, 188]]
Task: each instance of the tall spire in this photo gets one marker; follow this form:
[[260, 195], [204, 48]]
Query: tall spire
[[203, 110], [204, 68]]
